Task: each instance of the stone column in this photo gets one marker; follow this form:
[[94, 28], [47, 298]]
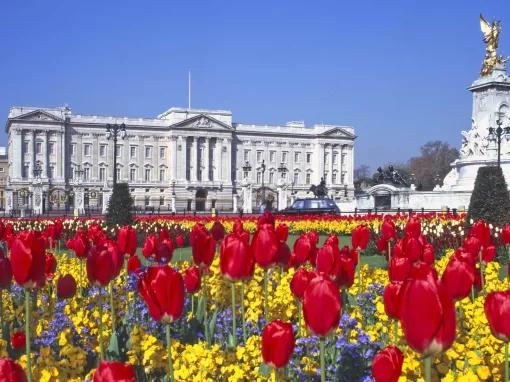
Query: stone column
[[235, 198], [193, 160], [173, 158], [61, 165], [247, 198], [330, 166], [319, 152], [350, 170], [141, 158], [18, 155], [45, 159], [31, 165], [183, 159], [340, 163], [207, 145], [227, 160], [8, 206]]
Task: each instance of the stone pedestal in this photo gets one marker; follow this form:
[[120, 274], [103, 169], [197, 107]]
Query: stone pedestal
[[38, 199], [173, 204], [79, 201], [247, 196], [9, 204], [235, 198], [282, 195], [107, 193]]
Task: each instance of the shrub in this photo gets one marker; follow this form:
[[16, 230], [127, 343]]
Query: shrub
[[120, 206], [490, 199]]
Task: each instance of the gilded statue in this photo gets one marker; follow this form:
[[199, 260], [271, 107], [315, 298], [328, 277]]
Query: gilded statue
[[491, 39]]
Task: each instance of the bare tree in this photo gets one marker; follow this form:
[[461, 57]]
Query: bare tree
[[433, 164]]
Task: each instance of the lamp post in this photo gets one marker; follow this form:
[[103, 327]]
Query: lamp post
[[263, 168], [113, 132], [497, 134]]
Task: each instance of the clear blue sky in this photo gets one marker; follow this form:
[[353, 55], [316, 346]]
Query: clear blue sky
[[396, 70]]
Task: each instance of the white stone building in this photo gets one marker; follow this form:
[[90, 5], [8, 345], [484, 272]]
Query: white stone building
[[185, 159]]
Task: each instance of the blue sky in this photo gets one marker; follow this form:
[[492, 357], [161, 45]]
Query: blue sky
[[396, 70]]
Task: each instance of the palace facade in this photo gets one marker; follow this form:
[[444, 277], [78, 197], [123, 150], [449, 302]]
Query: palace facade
[[189, 159]]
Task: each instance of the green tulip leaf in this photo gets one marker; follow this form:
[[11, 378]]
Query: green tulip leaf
[[264, 370]]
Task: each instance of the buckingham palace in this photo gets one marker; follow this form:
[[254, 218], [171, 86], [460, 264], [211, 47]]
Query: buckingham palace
[[185, 159]]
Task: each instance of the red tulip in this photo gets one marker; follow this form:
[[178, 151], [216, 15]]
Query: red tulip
[[387, 364], [391, 299], [66, 287], [346, 272], [162, 289], [382, 245], [192, 279], [150, 246], [322, 306], [282, 231], [428, 254], [277, 343], [488, 253], [217, 231], [96, 234], [10, 371], [203, 246], [283, 255], [413, 228], [327, 260], [472, 245], [50, 265], [265, 218], [482, 232], [114, 372], [427, 312], [159, 249], [5, 273], [163, 234], [264, 246], [300, 281], [458, 278], [303, 247], [134, 264], [79, 244], [18, 340], [179, 241], [236, 259], [27, 257], [360, 236], [127, 240], [104, 263], [497, 311], [399, 268], [505, 235], [388, 230]]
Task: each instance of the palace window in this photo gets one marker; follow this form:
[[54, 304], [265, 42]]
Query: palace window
[[297, 157], [86, 173], [343, 178], [326, 158], [161, 174], [51, 172], [147, 201], [132, 152], [86, 149], [132, 174], [308, 157], [259, 156], [118, 173], [25, 170], [308, 178], [162, 152], [25, 146], [259, 177], [335, 158], [284, 157], [119, 151], [296, 177], [148, 152], [271, 177], [72, 149], [38, 147], [102, 173], [51, 148], [272, 156], [161, 200], [333, 178], [102, 151], [147, 174], [246, 155]]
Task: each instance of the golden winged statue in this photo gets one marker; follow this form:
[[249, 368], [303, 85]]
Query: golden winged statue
[[491, 39]]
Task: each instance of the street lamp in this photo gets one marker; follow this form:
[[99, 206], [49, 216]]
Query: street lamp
[[263, 168], [497, 134], [113, 132]]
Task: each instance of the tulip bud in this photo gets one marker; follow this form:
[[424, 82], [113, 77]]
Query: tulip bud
[[114, 371], [66, 287], [322, 306], [277, 343], [387, 365], [10, 371]]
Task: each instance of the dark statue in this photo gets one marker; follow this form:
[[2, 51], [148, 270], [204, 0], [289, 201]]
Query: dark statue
[[320, 191], [390, 176]]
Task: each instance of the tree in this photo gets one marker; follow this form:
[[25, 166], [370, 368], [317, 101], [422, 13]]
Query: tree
[[490, 199], [433, 164], [120, 206]]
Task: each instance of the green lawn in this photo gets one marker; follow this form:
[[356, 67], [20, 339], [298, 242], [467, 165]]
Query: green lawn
[[184, 254]]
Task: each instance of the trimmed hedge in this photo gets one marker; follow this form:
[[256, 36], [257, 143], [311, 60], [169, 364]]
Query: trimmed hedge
[[120, 206]]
